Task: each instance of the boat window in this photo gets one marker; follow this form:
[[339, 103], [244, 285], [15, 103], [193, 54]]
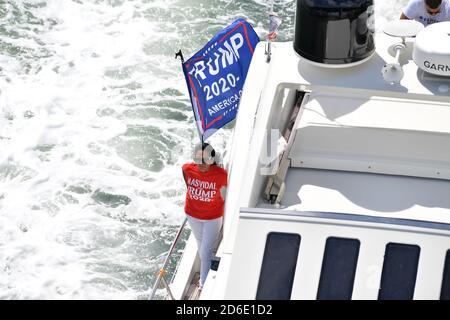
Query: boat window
[[278, 266], [445, 290], [398, 278], [338, 269]]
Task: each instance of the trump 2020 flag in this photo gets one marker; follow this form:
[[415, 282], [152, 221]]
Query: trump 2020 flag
[[216, 74]]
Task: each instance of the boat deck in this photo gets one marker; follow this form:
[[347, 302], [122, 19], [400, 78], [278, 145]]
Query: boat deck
[[193, 292], [358, 146]]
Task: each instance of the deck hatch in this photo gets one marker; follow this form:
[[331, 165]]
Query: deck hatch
[[278, 266], [338, 269], [445, 290], [398, 278]]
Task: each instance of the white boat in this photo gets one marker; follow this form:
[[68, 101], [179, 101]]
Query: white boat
[[355, 204]]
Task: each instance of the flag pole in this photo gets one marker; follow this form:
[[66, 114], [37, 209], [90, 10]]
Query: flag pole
[[268, 47], [274, 23], [179, 54]]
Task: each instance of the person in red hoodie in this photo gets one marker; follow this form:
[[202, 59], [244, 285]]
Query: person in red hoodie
[[205, 182]]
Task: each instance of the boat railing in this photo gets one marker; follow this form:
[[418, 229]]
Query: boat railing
[[163, 270]]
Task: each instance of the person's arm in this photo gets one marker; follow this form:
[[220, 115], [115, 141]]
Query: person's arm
[[223, 192], [223, 189], [412, 10], [403, 17], [184, 177]]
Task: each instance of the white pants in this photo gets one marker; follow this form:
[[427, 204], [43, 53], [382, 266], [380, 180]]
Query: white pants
[[206, 232]]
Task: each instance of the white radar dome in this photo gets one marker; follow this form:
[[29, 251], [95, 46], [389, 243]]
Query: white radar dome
[[432, 49]]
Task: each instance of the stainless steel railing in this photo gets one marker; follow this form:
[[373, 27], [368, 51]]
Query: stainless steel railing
[[162, 272]]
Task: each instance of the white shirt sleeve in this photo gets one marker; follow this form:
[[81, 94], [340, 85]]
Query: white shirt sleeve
[[446, 10], [414, 9]]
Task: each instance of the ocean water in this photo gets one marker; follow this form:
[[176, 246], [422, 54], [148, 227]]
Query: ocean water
[[95, 123]]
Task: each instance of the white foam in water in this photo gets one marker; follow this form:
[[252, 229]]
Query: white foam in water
[[92, 107]]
